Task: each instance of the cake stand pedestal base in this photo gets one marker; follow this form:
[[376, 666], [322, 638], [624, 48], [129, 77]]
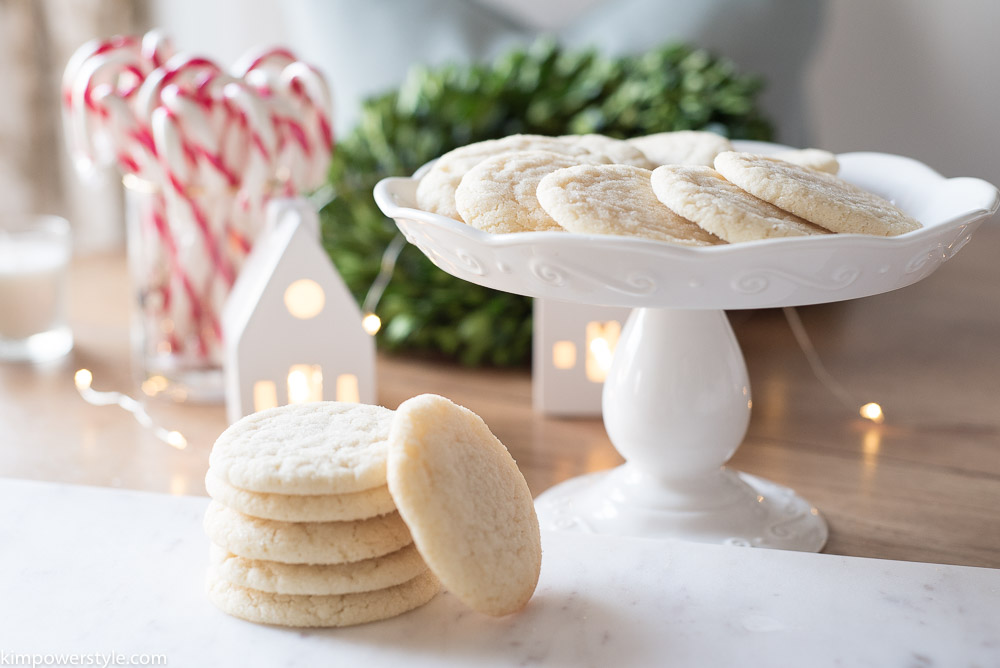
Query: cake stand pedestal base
[[759, 513], [676, 405]]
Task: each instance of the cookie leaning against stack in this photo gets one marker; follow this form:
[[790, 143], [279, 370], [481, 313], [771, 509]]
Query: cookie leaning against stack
[[303, 528]]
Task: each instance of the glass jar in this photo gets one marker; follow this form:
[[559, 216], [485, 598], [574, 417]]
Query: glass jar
[[184, 252]]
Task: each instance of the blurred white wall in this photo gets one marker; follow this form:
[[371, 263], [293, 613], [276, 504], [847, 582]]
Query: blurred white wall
[[221, 29], [915, 77]]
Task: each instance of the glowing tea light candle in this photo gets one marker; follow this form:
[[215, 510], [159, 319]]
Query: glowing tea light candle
[[34, 255]]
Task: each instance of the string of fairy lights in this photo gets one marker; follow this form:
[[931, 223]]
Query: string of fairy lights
[[870, 410], [84, 378]]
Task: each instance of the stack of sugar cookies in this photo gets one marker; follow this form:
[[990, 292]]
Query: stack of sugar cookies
[[688, 188], [329, 514]]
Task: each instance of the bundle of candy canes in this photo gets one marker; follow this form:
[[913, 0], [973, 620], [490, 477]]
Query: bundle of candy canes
[[208, 148]]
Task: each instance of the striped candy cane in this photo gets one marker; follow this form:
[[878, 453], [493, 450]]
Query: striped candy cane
[[206, 149]]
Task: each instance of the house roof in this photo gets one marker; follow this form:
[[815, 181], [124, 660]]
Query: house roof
[[296, 219]]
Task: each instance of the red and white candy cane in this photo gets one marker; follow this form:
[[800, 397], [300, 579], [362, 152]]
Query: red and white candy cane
[[110, 69], [210, 147], [299, 99], [196, 189], [261, 68], [156, 48], [99, 85], [260, 145], [191, 264], [309, 97]]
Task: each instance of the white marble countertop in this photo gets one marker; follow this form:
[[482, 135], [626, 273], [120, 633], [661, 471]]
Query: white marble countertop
[[88, 570]]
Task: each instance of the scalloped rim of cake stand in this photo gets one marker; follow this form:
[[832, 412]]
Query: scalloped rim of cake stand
[[793, 271]]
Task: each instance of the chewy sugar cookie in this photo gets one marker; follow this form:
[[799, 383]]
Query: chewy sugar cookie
[[466, 503], [615, 199], [305, 542], [498, 194], [683, 147], [317, 610], [302, 507], [814, 158], [318, 579], [436, 190], [820, 198], [324, 447], [618, 151], [700, 194]]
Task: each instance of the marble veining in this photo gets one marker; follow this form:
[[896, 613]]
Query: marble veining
[[87, 569]]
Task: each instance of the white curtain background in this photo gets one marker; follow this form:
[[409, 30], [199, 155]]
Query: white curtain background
[[37, 37]]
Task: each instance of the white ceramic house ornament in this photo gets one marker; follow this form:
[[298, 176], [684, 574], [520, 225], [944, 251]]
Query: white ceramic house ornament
[[291, 329], [572, 348]]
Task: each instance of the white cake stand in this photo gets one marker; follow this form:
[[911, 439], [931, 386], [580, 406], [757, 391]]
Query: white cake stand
[[676, 401]]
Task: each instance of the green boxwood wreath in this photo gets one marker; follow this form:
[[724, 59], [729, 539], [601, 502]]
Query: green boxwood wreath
[[543, 90]]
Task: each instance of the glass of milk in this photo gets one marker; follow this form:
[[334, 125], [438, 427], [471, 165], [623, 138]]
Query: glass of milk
[[34, 257]]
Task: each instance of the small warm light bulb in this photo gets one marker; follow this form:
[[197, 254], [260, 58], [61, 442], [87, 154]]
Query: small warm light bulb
[[177, 440], [371, 323], [872, 411], [83, 378]]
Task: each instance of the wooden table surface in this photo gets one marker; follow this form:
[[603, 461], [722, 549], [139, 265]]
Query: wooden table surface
[[923, 486]]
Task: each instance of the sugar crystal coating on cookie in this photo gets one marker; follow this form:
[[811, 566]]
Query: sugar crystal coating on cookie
[[324, 447], [301, 507], [618, 151], [814, 158], [616, 200], [436, 190], [305, 542], [682, 147], [318, 579], [318, 611], [498, 194], [823, 199], [466, 503], [702, 195]]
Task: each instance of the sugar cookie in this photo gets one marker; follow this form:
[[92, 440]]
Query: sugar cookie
[[615, 199], [305, 542], [318, 579], [436, 190], [324, 447], [302, 507], [818, 197], [814, 158], [498, 194], [701, 195], [466, 503], [333, 610], [619, 152], [683, 147]]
